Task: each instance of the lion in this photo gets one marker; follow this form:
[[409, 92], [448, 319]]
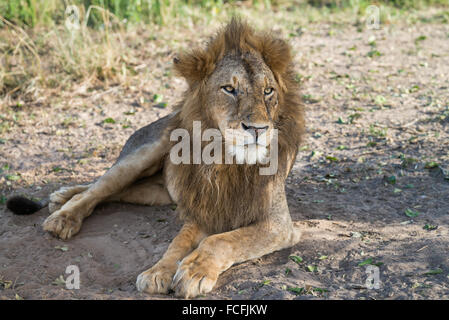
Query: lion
[[242, 80]]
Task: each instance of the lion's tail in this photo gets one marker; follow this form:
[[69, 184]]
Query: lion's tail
[[24, 206]]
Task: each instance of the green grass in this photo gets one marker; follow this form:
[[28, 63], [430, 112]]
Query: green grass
[[403, 4], [32, 13]]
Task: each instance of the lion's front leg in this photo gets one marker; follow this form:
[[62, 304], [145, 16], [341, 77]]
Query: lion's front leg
[[158, 278], [199, 271]]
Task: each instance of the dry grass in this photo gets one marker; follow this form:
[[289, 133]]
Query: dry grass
[[56, 58], [53, 57]]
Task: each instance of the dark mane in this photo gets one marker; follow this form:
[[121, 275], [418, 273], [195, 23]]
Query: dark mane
[[236, 37], [224, 197]]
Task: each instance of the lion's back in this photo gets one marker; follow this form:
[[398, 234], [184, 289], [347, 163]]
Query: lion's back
[[145, 135]]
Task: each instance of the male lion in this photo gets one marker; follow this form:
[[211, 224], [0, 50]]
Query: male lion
[[241, 80]]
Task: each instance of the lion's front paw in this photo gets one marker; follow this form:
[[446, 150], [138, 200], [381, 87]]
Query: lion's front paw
[[155, 280], [62, 224], [196, 275]]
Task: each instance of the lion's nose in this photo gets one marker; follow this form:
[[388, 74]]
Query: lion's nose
[[256, 130]]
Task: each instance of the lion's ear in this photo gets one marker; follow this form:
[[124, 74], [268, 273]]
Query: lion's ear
[[277, 55], [193, 66]]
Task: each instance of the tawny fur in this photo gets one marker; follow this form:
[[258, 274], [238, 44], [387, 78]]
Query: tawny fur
[[231, 212], [233, 190]]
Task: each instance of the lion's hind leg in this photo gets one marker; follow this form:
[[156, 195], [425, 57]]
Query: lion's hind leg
[[64, 194], [67, 221], [149, 191]]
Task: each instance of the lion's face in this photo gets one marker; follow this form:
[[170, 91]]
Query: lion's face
[[242, 97]]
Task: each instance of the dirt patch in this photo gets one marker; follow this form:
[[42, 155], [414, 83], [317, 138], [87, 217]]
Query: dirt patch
[[370, 185]]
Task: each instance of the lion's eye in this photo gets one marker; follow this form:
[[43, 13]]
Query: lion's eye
[[229, 89], [268, 91]]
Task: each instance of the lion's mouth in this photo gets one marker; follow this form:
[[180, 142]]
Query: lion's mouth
[[255, 145], [249, 153], [246, 139]]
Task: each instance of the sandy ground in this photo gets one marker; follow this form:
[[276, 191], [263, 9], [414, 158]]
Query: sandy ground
[[374, 123]]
